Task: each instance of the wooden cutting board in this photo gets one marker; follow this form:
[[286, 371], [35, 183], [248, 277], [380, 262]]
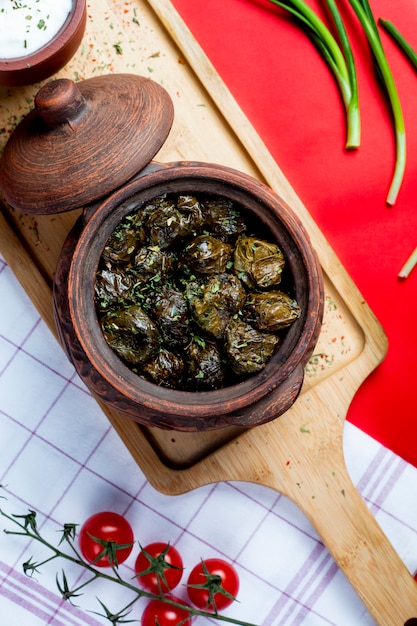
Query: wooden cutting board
[[300, 454]]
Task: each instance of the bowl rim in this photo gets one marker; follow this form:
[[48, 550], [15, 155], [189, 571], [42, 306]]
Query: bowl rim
[[81, 280], [62, 39]]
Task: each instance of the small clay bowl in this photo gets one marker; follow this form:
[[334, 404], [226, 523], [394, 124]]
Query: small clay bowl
[[47, 167], [43, 63]]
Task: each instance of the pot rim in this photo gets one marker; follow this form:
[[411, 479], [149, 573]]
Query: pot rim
[[256, 199]]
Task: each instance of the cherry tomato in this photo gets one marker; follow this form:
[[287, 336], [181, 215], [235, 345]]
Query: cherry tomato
[[159, 613], [159, 567], [114, 535], [213, 584]]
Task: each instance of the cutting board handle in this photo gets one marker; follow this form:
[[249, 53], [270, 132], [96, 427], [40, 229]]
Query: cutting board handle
[[363, 552], [317, 480]]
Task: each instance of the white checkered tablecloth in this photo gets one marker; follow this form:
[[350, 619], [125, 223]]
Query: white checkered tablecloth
[[59, 456]]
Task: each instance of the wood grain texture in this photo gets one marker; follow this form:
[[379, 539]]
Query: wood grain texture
[[300, 454]]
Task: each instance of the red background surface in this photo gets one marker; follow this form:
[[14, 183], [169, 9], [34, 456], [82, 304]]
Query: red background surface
[[289, 95]]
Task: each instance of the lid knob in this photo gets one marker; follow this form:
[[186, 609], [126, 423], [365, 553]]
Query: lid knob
[[60, 102]]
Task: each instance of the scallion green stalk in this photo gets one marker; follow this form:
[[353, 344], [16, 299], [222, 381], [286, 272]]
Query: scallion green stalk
[[343, 69], [408, 266], [353, 114], [400, 40], [354, 128], [365, 16]]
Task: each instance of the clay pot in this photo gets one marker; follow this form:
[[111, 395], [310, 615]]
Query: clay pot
[[48, 60], [258, 399]]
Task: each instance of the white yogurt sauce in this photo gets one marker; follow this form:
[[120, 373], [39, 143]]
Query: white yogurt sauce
[[28, 25]]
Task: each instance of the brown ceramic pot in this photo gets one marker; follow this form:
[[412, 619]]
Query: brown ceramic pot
[[258, 399], [52, 57]]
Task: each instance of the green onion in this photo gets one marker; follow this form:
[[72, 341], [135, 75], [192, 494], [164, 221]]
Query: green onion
[[354, 130], [400, 40], [365, 16], [343, 68], [409, 265]]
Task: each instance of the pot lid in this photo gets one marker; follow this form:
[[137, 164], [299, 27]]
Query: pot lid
[[82, 141]]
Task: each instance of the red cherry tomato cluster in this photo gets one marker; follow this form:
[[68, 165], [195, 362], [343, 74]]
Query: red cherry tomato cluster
[[106, 539], [212, 585]]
